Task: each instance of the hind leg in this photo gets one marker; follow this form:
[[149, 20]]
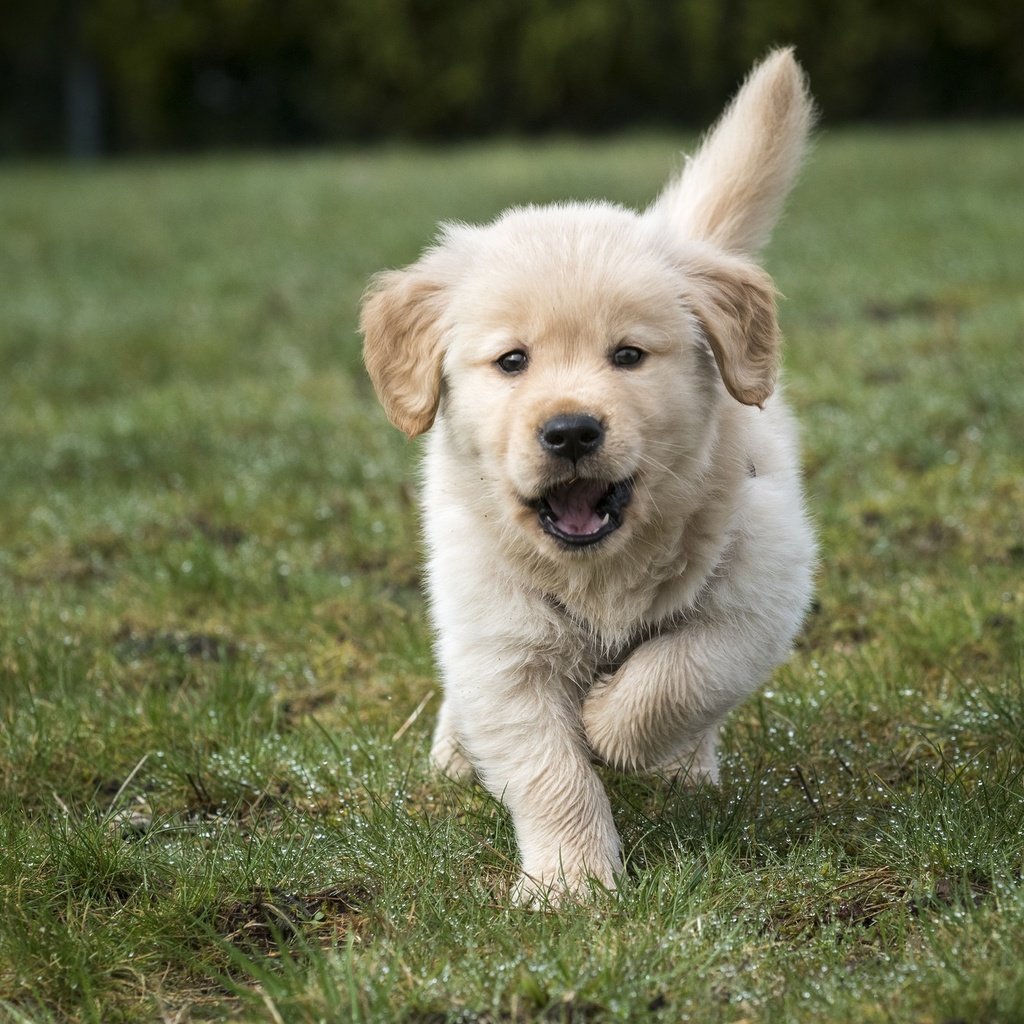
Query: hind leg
[[447, 755], [695, 763]]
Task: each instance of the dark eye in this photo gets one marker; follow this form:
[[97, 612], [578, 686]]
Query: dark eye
[[512, 362], [627, 355]]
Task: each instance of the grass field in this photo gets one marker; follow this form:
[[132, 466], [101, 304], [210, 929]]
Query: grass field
[[216, 684]]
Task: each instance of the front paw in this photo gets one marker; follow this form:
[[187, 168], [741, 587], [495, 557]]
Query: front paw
[[631, 738], [606, 721], [541, 890]]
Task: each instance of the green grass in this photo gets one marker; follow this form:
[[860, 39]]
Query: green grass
[[213, 792]]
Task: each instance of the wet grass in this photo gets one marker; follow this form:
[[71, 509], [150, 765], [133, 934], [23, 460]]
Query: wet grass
[[213, 649]]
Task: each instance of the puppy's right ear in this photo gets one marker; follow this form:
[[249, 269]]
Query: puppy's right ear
[[403, 344]]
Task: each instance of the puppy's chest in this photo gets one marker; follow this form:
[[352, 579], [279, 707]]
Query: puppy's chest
[[596, 653]]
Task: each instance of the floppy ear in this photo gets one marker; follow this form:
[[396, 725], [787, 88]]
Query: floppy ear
[[403, 345], [735, 304]]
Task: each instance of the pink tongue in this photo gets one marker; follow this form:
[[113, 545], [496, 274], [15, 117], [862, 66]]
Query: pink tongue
[[573, 506]]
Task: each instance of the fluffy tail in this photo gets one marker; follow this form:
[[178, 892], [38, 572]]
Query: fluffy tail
[[731, 192]]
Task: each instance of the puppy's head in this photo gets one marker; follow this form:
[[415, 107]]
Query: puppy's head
[[579, 358]]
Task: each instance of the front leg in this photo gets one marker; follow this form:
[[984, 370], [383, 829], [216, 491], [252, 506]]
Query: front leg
[[523, 735], [661, 710]]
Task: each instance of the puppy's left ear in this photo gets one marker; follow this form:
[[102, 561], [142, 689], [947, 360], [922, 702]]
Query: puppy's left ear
[[734, 301], [403, 344]]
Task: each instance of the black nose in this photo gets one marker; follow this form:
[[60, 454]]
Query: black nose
[[572, 436]]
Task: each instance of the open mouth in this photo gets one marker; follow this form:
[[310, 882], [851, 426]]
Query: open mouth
[[582, 512]]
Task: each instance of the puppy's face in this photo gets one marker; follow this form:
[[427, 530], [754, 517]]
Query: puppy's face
[[578, 358], [576, 382]]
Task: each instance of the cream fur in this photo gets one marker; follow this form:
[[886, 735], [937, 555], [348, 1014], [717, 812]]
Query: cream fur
[[634, 649]]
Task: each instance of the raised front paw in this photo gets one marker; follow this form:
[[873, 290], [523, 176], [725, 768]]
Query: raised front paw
[[627, 735], [610, 725]]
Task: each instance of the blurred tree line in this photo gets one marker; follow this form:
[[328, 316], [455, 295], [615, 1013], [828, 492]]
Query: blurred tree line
[[126, 75]]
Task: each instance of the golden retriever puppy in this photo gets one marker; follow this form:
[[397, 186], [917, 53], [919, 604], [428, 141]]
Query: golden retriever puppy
[[618, 547]]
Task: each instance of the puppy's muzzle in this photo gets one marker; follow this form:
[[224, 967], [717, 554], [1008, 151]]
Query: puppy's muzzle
[[572, 436], [582, 510]]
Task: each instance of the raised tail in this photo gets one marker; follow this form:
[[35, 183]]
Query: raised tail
[[731, 192]]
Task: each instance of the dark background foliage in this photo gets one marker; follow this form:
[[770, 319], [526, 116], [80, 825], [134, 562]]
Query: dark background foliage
[[90, 76]]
